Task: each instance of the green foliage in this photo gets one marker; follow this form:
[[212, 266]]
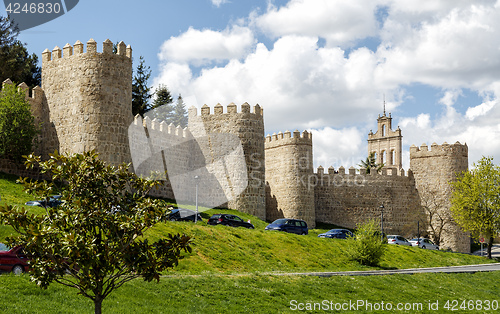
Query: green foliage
[[180, 113], [17, 124], [15, 61], [476, 201], [371, 163], [141, 92], [94, 241], [366, 247], [162, 108]]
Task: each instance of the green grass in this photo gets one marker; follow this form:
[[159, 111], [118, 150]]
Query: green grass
[[226, 273], [254, 293]]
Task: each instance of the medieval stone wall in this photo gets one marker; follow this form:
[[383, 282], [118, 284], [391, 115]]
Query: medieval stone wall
[[433, 170], [222, 153], [346, 199], [89, 98], [289, 166]]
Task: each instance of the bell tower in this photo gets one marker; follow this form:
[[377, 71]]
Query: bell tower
[[386, 143]]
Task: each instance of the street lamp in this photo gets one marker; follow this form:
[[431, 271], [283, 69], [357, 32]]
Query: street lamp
[[196, 179], [382, 222]]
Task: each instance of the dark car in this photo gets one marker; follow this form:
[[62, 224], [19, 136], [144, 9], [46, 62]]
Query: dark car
[[229, 220], [289, 225], [336, 234], [53, 201], [183, 214], [13, 260]]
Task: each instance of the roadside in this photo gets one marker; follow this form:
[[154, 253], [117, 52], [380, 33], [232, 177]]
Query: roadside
[[495, 251]]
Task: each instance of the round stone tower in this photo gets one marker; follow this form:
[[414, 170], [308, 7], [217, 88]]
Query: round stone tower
[[289, 171], [233, 142], [433, 169], [89, 95]]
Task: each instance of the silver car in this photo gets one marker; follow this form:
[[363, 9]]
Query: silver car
[[424, 243], [398, 240]]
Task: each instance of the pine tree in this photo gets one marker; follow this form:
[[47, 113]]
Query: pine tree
[[140, 89], [180, 113], [162, 107], [15, 61]]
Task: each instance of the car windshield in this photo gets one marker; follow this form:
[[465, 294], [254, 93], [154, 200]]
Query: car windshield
[[334, 231], [4, 247], [280, 221]]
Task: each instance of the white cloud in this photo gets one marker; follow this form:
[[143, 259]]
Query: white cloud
[[340, 22], [201, 47], [218, 3], [335, 92]]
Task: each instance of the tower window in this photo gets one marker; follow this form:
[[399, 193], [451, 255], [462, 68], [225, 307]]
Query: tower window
[[383, 130]]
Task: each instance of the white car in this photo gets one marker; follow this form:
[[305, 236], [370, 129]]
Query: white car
[[398, 240], [424, 243]]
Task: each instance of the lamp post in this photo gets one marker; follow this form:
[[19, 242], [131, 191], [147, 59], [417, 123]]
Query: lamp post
[[196, 179], [382, 222]]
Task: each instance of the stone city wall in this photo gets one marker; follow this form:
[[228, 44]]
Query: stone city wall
[[89, 98], [346, 199], [288, 166]]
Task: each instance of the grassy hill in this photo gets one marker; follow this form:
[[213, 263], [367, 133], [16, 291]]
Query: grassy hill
[[228, 272]]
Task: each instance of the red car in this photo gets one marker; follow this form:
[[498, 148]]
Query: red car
[[13, 260]]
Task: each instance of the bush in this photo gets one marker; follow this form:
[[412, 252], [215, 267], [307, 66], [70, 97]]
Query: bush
[[366, 246], [17, 124]]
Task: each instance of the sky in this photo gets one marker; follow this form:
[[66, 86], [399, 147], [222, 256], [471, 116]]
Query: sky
[[325, 66]]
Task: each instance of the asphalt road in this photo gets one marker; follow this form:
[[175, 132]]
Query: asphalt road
[[450, 269]]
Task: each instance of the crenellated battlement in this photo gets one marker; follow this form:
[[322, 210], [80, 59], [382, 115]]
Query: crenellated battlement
[[69, 51], [230, 109], [288, 138], [37, 91], [162, 126], [445, 149], [386, 173]]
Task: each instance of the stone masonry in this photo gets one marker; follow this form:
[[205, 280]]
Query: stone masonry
[[86, 101]]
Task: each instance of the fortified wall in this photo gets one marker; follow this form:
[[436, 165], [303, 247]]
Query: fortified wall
[[86, 101], [433, 170]]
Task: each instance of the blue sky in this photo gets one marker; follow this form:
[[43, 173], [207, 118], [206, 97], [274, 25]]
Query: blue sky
[[321, 65]]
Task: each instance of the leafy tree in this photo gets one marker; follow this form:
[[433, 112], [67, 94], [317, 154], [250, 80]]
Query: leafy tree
[[180, 113], [366, 247], [476, 201], [370, 163], [15, 61], [94, 241], [141, 92], [162, 108], [437, 216], [17, 124]]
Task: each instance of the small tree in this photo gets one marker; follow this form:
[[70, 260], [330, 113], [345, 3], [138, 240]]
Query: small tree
[[94, 241], [17, 124], [141, 92], [476, 201], [366, 247], [162, 105], [180, 113], [437, 215], [370, 163]]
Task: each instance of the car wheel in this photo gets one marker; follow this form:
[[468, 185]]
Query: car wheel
[[423, 246], [17, 270], [303, 233], [172, 219]]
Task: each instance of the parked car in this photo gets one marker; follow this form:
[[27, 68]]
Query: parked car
[[424, 243], [289, 225], [53, 201], [183, 214], [13, 260], [398, 240], [336, 234], [229, 220]]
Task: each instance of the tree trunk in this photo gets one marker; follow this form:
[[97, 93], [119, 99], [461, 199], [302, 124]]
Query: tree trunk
[[98, 304], [490, 244]]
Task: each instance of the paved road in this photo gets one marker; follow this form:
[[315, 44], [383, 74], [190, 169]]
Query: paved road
[[450, 269]]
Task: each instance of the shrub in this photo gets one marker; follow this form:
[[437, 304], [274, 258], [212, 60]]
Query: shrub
[[17, 124], [366, 247]]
